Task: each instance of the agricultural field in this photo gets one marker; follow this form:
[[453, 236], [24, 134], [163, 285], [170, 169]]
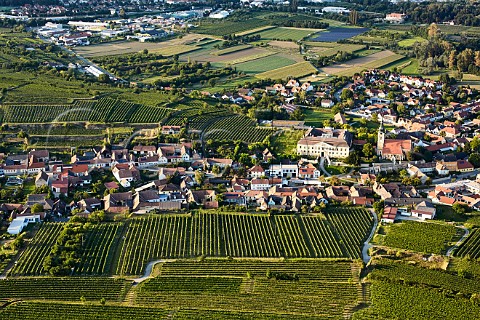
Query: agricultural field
[[225, 27], [210, 289], [296, 70], [30, 261], [231, 49], [286, 34], [99, 248], [263, 64], [376, 60], [284, 45], [420, 236], [283, 288], [167, 48], [240, 235], [324, 51], [235, 128], [336, 34], [405, 291], [103, 110], [45, 89], [471, 247], [52, 311], [65, 289], [353, 226], [408, 43]]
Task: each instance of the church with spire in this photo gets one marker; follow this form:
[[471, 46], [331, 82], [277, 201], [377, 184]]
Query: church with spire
[[392, 149]]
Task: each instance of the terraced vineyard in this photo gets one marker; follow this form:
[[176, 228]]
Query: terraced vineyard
[[103, 110], [65, 289], [237, 128], [420, 236], [31, 260], [242, 235], [99, 249], [353, 226], [197, 119], [471, 247], [321, 236], [322, 289], [52, 311], [402, 291]]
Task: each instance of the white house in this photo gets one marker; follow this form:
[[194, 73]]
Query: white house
[[260, 184], [327, 103], [283, 170], [19, 223]]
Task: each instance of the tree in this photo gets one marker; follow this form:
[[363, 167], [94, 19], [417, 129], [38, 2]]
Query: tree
[[199, 177], [368, 149], [452, 58], [334, 181], [477, 59], [103, 78], [353, 158], [474, 159], [216, 169], [433, 31], [379, 207], [353, 17], [460, 208], [346, 94], [36, 208]]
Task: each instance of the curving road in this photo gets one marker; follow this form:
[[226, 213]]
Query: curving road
[[366, 245], [459, 242], [149, 269]]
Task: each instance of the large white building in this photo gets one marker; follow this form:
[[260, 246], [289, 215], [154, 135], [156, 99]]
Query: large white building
[[338, 10], [327, 142]]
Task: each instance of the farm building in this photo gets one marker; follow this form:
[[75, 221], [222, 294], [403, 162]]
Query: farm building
[[339, 10]]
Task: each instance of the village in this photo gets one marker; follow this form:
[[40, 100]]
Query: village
[[426, 158]]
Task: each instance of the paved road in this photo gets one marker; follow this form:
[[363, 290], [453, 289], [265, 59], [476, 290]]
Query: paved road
[[459, 242], [322, 167], [366, 245], [84, 60], [149, 269]]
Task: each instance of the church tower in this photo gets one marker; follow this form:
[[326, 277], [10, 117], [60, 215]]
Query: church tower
[[380, 138]]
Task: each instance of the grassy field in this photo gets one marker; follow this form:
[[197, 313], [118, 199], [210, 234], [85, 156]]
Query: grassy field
[[286, 141], [263, 64], [296, 70], [282, 33], [315, 117], [407, 43]]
